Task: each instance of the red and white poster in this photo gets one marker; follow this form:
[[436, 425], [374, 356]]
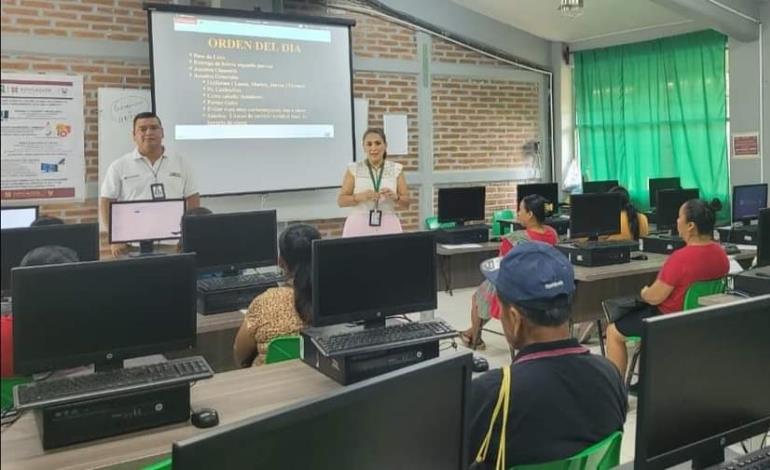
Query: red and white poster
[[41, 118], [746, 145]]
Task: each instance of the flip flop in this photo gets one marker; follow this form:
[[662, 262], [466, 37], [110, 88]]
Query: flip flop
[[468, 340]]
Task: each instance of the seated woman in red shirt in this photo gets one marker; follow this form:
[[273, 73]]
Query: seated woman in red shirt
[[484, 303], [701, 259]]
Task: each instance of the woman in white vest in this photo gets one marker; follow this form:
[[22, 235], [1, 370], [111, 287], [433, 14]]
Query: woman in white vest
[[374, 188]]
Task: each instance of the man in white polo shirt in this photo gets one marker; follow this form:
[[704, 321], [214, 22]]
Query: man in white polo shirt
[[146, 173]]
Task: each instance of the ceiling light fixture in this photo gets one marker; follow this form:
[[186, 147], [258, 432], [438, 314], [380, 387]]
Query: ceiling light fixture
[[571, 8]]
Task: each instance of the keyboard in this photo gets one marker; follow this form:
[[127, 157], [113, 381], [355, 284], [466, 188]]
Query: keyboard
[[757, 460], [607, 244], [240, 281], [373, 338], [67, 389]]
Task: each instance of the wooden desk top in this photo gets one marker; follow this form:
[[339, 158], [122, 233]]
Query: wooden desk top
[[219, 321], [718, 299], [485, 246], [236, 395]]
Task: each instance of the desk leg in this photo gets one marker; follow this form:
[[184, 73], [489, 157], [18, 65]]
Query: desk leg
[[446, 272], [600, 331]]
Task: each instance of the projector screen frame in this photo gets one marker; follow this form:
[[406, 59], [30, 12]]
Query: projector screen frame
[[241, 14]]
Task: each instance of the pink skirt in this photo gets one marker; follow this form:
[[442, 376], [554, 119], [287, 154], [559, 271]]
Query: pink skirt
[[357, 225]]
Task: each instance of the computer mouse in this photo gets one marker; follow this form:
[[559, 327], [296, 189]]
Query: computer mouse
[[480, 364], [205, 418], [639, 257]]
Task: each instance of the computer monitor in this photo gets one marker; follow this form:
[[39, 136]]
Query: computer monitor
[[146, 221], [461, 204], [763, 245], [17, 242], [669, 202], [704, 383], [17, 217], [596, 187], [230, 242], [594, 214], [748, 199], [102, 312], [416, 418], [370, 278], [659, 184], [550, 191]]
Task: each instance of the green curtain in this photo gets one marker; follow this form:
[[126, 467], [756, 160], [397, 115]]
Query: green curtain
[[655, 109]]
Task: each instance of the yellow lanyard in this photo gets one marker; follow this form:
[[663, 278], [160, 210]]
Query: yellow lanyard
[[503, 400]]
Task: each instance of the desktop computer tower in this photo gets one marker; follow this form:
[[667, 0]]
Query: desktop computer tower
[[352, 368], [739, 235], [86, 420], [596, 255], [661, 245], [753, 282], [465, 234]]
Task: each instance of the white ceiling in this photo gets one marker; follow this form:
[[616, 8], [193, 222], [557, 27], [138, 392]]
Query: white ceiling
[[600, 18]]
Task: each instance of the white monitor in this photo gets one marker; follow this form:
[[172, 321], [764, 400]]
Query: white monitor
[[137, 221], [17, 217]]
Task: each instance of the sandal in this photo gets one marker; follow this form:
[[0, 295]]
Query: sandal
[[467, 340]]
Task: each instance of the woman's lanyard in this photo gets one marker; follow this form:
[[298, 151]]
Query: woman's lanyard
[[376, 181], [572, 350]]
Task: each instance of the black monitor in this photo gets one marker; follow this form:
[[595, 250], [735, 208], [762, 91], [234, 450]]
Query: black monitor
[[17, 216], [669, 202], [230, 242], [659, 184], [146, 221], [748, 199], [550, 191], [763, 245], [17, 242], [592, 215], [461, 204], [102, 312], [413, 418], [596, 187], [369, 278], [704, 383]]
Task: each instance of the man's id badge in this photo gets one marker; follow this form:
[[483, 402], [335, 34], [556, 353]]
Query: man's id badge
[[158, 192], [375, 218]]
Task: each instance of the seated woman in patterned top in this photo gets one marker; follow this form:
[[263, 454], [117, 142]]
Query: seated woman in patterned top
[[282, 310], [484, 303]]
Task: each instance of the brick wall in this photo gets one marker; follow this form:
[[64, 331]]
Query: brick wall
[[448, 52]]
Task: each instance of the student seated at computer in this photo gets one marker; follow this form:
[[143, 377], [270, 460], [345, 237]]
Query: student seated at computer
[[47, 254], [484, 305], [633, 224], [282, 310], [562, 398], [701, 259], [46, 220]]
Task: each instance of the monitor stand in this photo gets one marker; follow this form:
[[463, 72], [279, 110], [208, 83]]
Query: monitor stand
[[376, 323], [708, 458], [108, 365], [146, 248]]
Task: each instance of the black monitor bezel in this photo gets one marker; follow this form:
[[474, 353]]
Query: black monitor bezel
[[704, 446], [579, 198], [54, 362], [662, 227], [605, 186], [37, 213], [371, 314], [763, 242], [442, 207], [737, 189], [93, 228], [553, 190], [145, 201], [231, 215], [654, 194], [289, 414]]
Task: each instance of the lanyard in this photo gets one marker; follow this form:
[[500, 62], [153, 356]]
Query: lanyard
[[572, 350], [375, 181], [154, 172]]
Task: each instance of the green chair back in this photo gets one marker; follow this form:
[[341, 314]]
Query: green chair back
[[6, 390], [600, 456], [497, 229], [164, 464], [699, 289], [282, 348], [432, 223]]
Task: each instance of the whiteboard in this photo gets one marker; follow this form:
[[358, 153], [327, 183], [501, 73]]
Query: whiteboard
[[117, 108]]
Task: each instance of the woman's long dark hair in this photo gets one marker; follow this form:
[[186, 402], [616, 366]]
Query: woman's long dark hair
[[295, 245], [702, 214], [631, 212]]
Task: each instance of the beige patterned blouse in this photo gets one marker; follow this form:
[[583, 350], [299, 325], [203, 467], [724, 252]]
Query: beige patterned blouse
[[272, 314]]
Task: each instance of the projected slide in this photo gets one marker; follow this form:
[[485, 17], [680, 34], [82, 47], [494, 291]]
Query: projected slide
[[249, 101]]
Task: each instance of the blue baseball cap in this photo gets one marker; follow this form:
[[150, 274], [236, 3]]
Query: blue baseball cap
[[532, 274]]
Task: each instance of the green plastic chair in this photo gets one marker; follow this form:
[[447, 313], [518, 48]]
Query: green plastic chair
[[700, 289], [497, 229], [600, 456], [6, 390], [282, 348], [431, 223], [164, 464]]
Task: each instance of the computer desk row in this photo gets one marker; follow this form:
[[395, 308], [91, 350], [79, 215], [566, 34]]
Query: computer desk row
[[236, 395]]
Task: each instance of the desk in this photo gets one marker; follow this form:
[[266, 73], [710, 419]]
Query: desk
[[236, 395], [214, 341], [718, 299], [459, 267]]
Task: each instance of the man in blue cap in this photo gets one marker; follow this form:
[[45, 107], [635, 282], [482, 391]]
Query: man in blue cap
[[562, 399]]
